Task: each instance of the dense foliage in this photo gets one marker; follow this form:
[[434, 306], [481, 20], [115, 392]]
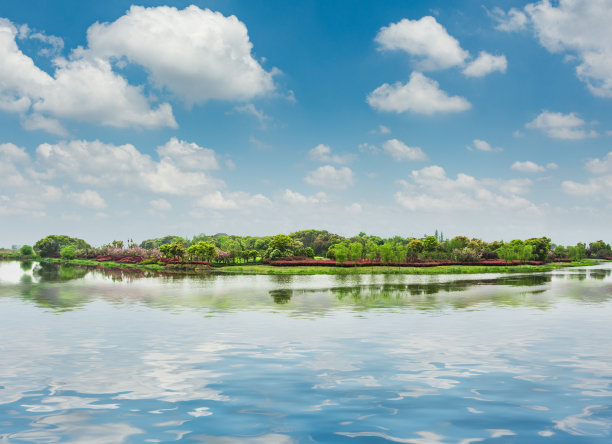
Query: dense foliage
[[320, 244], [53, 244]]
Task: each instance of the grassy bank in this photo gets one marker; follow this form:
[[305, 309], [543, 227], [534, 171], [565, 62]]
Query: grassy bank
[[451, 269], [306, 270]]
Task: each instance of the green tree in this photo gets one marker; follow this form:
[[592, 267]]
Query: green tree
[[68, 252], [415, 246], [340, 252], [540, 247], [430, 243], [26, 250], [53, 244], [281, 242], [309, 252], [371, 250], [578, 252], [386, 252], [355, 251]]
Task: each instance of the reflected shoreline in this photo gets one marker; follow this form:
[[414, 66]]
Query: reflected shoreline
[[66, 287]]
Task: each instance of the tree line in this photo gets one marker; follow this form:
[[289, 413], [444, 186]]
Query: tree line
[[312, 243]]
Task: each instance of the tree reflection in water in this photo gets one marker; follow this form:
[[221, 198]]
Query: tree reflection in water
[[301, 295]]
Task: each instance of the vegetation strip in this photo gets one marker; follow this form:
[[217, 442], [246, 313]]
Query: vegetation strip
[[316, 252]]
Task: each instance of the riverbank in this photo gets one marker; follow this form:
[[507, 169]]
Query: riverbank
[[264, 269]]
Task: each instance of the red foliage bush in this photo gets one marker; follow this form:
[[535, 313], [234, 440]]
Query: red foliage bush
[[296, 261]]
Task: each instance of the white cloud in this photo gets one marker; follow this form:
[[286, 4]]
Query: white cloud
[[400, 151], [595, 186], [216, 201], [295, 198], [87, 89], [354, 208], [600, 166], [420, 95], [12, 158], [97, 163], [188, 156], [513, 20], [482, 145], [561, 126], [527, 167], [83, 88], [89, 199], [600, 185], [232, 201], [230, 165], [328, 176], [581, 28], [9, 152], [36, 121], [160, 205], [485, 64], [250, 109], [368, 148], [431, 190], [197, 54], [425, 39], [322, 153], [382, 129], [54, 44]]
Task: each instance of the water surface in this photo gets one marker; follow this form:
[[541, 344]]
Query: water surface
[[108, 357]]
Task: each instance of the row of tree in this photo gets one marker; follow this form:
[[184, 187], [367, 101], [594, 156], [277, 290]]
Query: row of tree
[[319, 243]]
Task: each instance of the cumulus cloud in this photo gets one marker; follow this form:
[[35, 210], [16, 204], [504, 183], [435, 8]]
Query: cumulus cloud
[[485, 64], [195, 53], [250, 109], [295, 198], [232, 201], [561, 126], [89, 199], [426, 40], [527, 167], [382, 129], [513, 20], [97, 163], [600, 185], [81, 88], [430, 189], [354, 208], [12, 160], [160, 205], [400, 151], [580, 29], [216, 201], [420, 95], [322, 153], [53, 44], [328, 176], [188, 156], [600, 166], [482, 145]]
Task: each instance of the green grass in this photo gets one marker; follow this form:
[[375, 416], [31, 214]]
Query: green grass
[[106, 264], [450, 269], [309, 270]]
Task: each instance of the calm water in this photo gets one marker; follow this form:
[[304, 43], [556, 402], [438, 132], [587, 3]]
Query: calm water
[[108, 358]]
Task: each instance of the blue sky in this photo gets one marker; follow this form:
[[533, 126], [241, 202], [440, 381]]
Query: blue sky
[[484, 118]]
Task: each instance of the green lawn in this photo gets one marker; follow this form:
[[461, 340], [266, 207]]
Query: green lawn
[[269, 269]]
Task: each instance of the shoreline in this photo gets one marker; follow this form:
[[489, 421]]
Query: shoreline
[[264, 269]]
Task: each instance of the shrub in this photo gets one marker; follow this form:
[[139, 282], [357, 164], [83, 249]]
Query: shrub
[[26, 250], [68, 252]]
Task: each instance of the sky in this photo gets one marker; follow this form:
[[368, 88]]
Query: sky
[[486, 118]]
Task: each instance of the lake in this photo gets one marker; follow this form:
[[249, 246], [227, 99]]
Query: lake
[[95, 356]]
